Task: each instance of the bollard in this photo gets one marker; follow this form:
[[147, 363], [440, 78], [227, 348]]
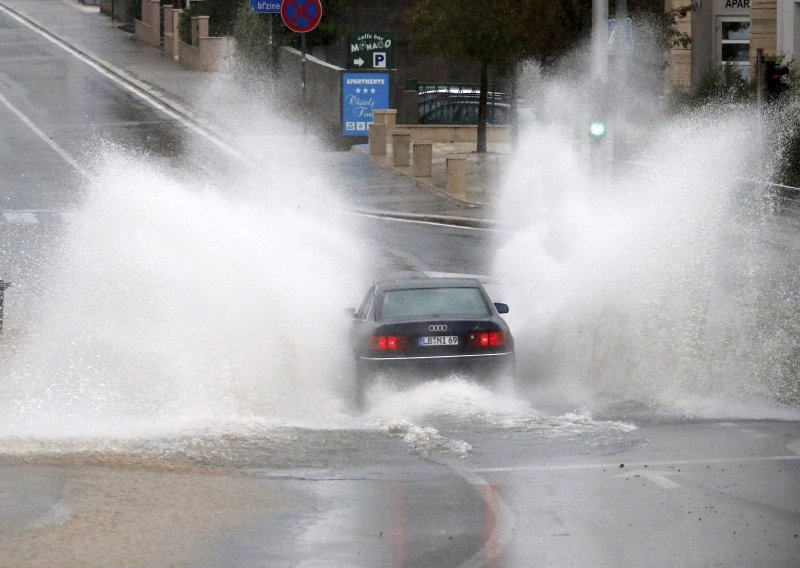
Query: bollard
[[457, 176], [401, 148], [3, 287], [423, 158], [377, 139]]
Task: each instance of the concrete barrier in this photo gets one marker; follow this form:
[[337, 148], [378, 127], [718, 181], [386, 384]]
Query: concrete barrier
[[377, 139], [457, 175], [401, 148], [423, 158], [205, 53]]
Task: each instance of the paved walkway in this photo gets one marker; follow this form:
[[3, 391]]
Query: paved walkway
[[375, 187]]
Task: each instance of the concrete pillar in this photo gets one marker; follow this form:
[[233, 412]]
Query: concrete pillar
[[391, 117], [176, 34], [457, 175], [377, 139], [386, 116], [199, 29], [401, 148], [154, 16], [423, 158]]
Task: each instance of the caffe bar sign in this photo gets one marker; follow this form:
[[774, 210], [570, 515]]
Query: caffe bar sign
[[371, 50]]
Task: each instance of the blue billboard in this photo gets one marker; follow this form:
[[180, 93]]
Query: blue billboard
[[361, 94], [265, 6]]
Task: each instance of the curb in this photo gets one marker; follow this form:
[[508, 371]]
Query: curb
[[436, 219]]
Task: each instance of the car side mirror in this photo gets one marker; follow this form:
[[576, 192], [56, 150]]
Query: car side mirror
[[351, 312], [501, 308]]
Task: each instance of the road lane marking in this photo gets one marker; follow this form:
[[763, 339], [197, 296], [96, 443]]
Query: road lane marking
[[20, 217], [504, 519], [436, 274], [424, 220], [711, 461], [658, 477], [753, 433], [34, 216], [42, 136]]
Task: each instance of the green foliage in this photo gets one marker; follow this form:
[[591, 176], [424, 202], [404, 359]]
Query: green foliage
[[499, 32], [787, 124], [252, 32], [135, 8], [721, 85], [222, 15]]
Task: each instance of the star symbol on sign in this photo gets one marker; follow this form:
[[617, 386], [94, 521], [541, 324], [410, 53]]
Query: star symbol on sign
[[358, 91], [373, 91]]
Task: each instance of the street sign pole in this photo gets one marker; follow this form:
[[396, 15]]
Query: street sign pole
[[303, 79], [302, 17]]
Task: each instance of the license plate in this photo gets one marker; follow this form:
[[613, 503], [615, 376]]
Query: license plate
[[433, 340]]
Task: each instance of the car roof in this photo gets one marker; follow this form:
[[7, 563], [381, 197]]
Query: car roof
[[416, 283]]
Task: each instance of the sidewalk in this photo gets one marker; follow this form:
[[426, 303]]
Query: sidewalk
[[484, 171], [376, 186]]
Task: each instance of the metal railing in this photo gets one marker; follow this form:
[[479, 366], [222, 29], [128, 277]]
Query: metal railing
[[457, 103]]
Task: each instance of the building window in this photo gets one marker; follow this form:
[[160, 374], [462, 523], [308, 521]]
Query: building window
[[735, 44]]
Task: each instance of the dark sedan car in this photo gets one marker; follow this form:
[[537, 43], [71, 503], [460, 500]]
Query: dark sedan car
[[430, 327]]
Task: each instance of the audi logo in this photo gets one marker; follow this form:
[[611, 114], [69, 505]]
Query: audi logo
[[439, 327]]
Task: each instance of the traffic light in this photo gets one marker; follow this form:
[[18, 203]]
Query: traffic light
[[775, 84]]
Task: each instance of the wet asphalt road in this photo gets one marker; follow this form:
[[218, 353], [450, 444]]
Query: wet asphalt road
[[525, 496], [511, 480]]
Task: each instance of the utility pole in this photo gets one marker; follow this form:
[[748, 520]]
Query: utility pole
[[598, 96], [600, 40], [621, 68]]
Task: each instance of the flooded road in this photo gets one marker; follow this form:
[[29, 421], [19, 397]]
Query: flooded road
[[468, 485]]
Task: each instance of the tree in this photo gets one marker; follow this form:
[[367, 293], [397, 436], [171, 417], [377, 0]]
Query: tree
[[497, 33], [501, 33]]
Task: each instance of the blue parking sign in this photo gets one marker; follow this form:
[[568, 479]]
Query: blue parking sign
[[361, 94]]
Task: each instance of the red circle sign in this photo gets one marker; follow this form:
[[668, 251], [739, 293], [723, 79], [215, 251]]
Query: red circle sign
[[301, 16]]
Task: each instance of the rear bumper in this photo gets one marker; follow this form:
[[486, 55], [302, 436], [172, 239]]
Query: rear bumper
[[486, 366]]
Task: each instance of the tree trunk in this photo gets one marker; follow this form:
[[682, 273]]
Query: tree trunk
[[482, 104]]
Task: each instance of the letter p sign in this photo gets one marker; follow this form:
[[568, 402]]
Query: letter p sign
[[379, 60]]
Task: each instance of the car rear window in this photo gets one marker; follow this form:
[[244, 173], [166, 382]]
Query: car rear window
[[432, 302]]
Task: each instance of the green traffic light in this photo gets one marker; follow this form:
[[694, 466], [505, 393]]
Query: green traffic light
[[597, 129]]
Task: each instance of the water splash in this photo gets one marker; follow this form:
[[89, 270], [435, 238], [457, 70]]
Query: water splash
[[663, 282], [173, 303]]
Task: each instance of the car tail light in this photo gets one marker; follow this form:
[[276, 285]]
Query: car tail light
[[387, 343], [481, 339]]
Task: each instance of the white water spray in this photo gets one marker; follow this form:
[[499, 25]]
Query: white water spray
[[660, 284], [175, 305]]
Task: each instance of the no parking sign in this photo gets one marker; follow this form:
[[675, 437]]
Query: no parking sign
[[301, 16]]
